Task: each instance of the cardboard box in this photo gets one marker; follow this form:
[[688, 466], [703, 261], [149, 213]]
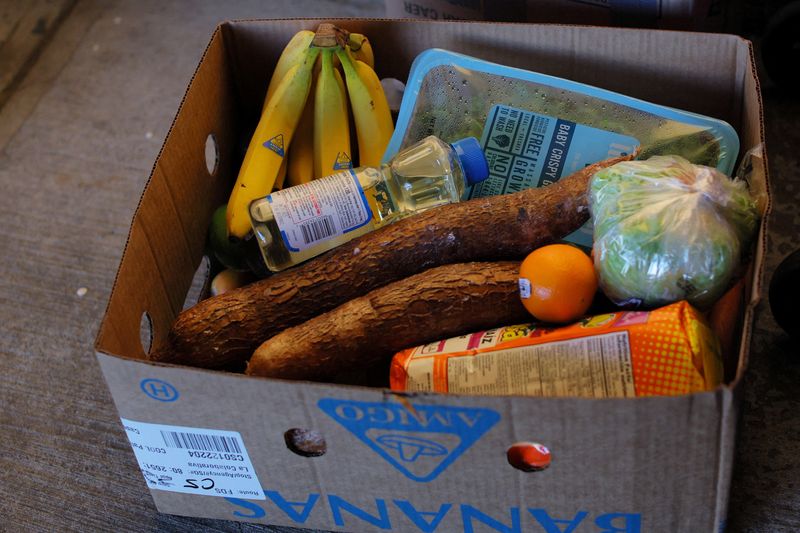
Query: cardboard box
[[413, 462], [705, 15]]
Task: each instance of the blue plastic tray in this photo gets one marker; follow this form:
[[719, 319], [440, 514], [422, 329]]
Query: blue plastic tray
[[450, 94]]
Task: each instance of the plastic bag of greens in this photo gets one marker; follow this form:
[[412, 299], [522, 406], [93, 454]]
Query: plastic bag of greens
[[667, 230]]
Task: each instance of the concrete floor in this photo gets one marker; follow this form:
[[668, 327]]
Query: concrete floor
[[78, 135]]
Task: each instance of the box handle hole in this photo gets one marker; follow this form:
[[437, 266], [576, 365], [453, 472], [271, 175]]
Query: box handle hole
[[146, 332], [212, 154], [528, 456], [201, 283], [305, 442]]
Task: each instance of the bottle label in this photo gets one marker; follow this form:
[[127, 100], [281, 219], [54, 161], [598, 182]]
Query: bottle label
[[526, 150], [320, 210]]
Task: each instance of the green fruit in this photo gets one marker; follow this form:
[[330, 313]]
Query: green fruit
[[231, 255]]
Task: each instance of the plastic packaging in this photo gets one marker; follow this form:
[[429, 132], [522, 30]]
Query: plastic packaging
[[301, 222], [450, 95], [526, 150], [666, 230], [665, 352]]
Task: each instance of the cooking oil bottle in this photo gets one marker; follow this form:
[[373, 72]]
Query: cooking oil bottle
[[298, 223]]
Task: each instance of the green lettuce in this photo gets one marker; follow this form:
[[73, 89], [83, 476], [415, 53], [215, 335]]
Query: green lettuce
[[668, 230]]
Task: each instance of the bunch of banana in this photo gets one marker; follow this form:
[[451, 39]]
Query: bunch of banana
[[304, 129]]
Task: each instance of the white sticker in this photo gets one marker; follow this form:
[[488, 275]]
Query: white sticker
[[594, 367], [210, 462], [320, 210], [524, 288]]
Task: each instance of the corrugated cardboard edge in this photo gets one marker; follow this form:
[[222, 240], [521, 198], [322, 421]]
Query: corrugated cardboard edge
[[758, 263], [106, 323], [731, 395]]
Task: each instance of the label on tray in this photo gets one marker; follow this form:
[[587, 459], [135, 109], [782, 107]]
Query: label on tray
[[320, 210], [209, 462], [526, 150]]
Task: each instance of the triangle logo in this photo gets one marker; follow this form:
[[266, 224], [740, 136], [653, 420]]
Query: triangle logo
[[420, 441], [343, 161], [276, 144]]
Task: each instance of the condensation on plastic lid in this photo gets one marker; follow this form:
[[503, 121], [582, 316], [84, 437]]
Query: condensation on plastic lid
[[435, 57]]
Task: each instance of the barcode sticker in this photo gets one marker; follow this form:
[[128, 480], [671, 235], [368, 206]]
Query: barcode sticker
[[316, 230], [211, 462], [319, 210]]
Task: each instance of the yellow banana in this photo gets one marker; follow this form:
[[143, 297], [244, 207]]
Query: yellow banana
[[269, 143], [331, 124], [361, 48], [301, 155], [370, 110], [281, 177], [292, 54]]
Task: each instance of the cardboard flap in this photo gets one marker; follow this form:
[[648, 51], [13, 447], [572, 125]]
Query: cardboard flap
[[167, 236], [752, 135], [639, 63], [712, 74], [429, 450]]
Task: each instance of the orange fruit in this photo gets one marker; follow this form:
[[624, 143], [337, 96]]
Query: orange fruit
[[557, 283]]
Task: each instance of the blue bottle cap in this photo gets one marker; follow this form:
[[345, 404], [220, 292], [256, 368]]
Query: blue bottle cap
[[472, 160]]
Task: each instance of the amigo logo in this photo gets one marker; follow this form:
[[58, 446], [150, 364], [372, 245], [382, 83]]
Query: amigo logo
[[420, 441]]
